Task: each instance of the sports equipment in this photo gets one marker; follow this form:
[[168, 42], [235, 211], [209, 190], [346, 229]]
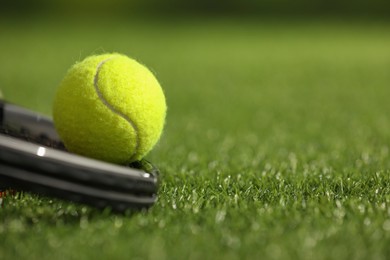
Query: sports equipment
[[109, 107], [33, 158]]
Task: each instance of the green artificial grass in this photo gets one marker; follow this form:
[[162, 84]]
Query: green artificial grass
[[276, 144]]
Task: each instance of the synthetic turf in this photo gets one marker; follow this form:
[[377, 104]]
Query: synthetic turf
[[276, 144]]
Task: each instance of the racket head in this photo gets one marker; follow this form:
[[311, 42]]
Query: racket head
[[33, 158]]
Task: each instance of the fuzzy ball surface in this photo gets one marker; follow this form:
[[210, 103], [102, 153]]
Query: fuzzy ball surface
[[109, 107]]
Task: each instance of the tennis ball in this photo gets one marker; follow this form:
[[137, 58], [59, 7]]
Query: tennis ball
[[109, 107]]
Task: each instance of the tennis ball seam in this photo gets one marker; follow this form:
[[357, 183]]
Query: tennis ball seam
[[109, 106]]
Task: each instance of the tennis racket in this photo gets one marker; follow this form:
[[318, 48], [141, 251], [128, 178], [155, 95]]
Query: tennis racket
[[33, 159]]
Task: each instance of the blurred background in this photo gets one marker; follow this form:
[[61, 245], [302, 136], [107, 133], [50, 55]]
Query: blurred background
[[229, 68], [41, 37], [200, 7]]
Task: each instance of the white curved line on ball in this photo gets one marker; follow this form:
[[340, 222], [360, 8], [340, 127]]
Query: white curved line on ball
[[109, 106]]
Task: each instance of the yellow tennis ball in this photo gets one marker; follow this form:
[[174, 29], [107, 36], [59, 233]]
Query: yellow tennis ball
[[109, 107]]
